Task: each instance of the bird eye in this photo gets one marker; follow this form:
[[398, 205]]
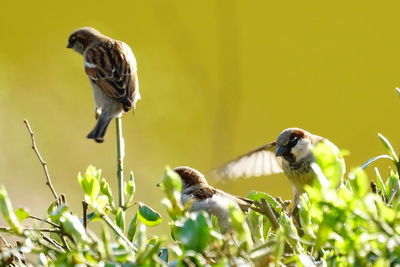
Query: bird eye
[[294, 140]]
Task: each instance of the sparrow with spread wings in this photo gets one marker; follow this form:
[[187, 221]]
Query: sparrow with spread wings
[[291, 153], [111, 68]]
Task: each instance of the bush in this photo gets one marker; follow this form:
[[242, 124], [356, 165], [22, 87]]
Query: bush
[[355, 224]]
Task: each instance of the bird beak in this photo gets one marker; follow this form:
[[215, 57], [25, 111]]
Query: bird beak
[[281, 150], [69, 45]]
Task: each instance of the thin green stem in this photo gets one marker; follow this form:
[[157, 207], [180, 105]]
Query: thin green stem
[[120, 161], [119, 232]]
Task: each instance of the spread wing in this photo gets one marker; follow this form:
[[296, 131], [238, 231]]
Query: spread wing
[[258, 162], [111, 65]]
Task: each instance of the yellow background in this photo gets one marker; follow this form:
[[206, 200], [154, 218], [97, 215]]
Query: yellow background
[[217, 79]]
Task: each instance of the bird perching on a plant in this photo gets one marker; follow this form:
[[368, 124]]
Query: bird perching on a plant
[[206, 198], [111, 68], [291, 153]]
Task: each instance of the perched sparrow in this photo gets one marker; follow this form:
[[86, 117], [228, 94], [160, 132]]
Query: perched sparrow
[[290, 153], [207, 198], [111, 68]]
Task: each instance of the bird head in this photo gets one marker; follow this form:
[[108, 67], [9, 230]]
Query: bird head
[[190, 177], [82, 38], [293, 144]]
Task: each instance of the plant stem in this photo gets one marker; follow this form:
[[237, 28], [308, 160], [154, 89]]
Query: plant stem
[[119, 232], [120, 161], [44, 164]]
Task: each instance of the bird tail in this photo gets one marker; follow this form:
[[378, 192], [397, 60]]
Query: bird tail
[[100, 129]]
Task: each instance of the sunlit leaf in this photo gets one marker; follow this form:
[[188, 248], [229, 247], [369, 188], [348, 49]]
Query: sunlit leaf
[[132, 227], [359, 182], [120, 219], [8, 212], [389, 148], [130, 189], [21, 214], [372, 160], [237, 220], [379, 182], [171, 183], [90, 182], [331, 162], [194, 232], [55, 212], [72, 225], [257, 196], [148, 216], [106, 190]]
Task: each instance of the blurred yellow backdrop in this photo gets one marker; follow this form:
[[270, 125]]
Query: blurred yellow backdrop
[[217, 79]]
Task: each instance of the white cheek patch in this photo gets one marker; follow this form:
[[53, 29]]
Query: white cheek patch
[[301, 149]]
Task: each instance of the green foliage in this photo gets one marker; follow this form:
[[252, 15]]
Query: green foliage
[[148, 216], [339, 222]]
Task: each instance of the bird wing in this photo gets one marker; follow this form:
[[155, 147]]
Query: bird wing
[[258, 162], [111, 65], [201, 193]]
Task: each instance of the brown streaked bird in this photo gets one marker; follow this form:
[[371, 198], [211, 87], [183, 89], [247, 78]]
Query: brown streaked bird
[[111, 68], [291, 153], [205, 197]]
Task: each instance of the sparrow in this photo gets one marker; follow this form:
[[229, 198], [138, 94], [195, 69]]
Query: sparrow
[[206, 198], [291, 153], [111, 68]]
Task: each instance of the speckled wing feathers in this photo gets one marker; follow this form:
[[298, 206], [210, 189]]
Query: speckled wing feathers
[[111, 65]]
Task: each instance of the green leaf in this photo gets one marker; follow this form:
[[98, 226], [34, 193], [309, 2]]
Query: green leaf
[[148, 216], [389, 148], [239, 224], [171, 183], [392, 184], [132, 227], [120, 219], [21, 214], [291, 232], [359, 182], [7, 211], [379, 182], [93, 216], [72, 225], [331, 162], [194, 232], [90, 182], [370, 161], [130, 189], [257, 196], [106, 190], [55, 212]]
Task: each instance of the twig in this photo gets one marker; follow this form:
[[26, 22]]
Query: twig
[[53, 242], [84, 211], [48, 230], [43, 220], [120, 161], [119, 232], [44, 164], [264, 208], [65, 244], [5, 241]]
